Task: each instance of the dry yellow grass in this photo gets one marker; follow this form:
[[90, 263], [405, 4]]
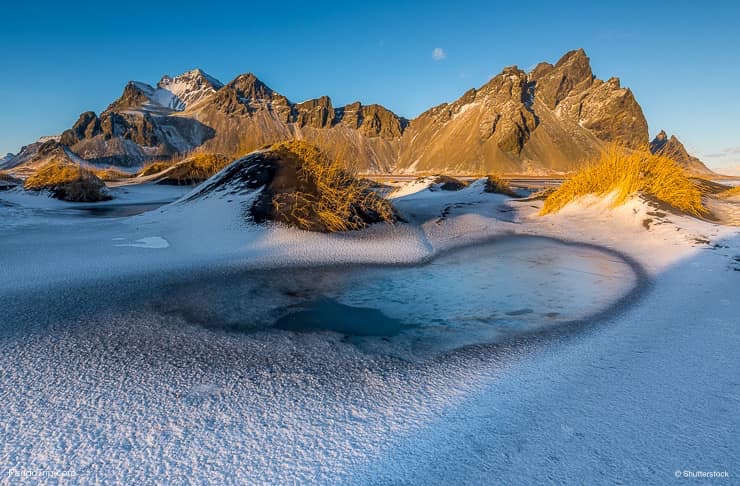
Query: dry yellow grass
[[326, 197], [154, 167], [628, 172], [204, 165], [193, 169], [110, 173], [496, 184], [52, 174], [69, 182]]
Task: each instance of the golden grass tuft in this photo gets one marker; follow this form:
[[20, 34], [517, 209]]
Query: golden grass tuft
[[53, 174], [496, 184], [325, 196], [110, 173], [204, 165], [627, 172], [191, 170], [69, 182]]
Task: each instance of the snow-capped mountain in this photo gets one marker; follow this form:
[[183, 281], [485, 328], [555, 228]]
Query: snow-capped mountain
[[170, 94]]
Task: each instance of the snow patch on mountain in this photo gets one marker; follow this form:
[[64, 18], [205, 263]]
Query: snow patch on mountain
[[184, 90], [49, 138]]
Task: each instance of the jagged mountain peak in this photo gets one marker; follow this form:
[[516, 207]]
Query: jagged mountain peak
[[247, 94], [659, 142], [512, 73], [575, 56], [249, 86], [186, 89], [195, 73], [508, 75], [193, 77], [248, 76], [135, 95], [672, 147], [571, 73]]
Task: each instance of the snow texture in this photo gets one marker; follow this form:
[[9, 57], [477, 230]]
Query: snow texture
[[130, 365]]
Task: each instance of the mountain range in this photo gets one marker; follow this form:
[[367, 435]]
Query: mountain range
[[550, 119]]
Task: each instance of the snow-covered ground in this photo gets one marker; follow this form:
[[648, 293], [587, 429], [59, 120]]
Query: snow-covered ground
[[124, 354]]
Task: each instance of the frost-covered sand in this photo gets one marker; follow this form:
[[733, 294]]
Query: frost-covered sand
[[104, 372]]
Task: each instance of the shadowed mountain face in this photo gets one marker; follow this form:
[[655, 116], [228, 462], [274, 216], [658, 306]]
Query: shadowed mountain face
[[673, 148], [550, 119]]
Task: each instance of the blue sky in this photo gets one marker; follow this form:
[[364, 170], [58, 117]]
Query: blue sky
[[682, 59]]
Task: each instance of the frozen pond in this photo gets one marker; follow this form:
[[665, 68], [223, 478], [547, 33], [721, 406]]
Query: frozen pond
[[474, 295]]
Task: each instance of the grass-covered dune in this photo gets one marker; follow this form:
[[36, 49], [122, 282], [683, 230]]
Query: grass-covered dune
[[299, 186], [69, 182], [447, 183], [624, 173], [312, 192], [495, 184]]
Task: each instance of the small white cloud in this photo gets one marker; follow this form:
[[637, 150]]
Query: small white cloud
[[439, 54]]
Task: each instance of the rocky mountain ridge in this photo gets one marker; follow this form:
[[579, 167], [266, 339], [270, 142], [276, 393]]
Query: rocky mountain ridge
[[548, 120]]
